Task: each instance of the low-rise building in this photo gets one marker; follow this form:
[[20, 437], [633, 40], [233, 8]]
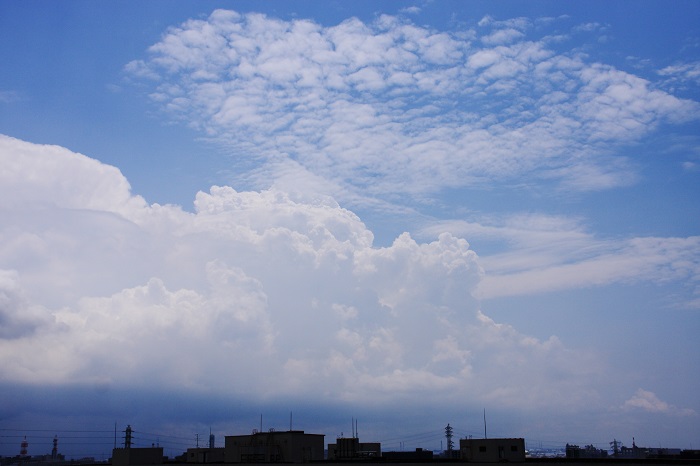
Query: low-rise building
[[589, 451], [352, 449], [137, 456], [492, 450], [417, 455], [204, 455], [643, 452], [292, 446]]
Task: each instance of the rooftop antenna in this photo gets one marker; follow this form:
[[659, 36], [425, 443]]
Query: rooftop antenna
[[485, 424], [260, 423], [357, 434], [290, 421]]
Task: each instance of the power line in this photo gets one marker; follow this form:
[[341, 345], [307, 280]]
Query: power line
[[56, 430], [162, 435]]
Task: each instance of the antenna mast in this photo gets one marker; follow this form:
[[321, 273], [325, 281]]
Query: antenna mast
[[485, 424]]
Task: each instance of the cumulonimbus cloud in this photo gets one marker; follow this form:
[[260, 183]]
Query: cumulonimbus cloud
[[273, 292]]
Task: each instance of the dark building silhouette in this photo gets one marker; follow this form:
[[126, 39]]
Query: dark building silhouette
[[137, 456], [492, 450], [411, 456], [589, 451], [204, 455], [352, 448], [292, 446]]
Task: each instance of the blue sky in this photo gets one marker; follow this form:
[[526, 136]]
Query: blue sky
[[402, 212]]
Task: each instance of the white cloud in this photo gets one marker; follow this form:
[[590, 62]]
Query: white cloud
[[619, 105], [639, 259], [7, 97], [502, 36], [548, 253], [682, 72], [690, 166], [412, 10], [39, 181], [18, 317], [390, 107], [255, 294], [590, 27], [648, 401]]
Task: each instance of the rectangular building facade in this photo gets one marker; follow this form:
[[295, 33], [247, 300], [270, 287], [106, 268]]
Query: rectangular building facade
[[292, 446], [137, 456], [492, 450], [352, 448], [204, 455]]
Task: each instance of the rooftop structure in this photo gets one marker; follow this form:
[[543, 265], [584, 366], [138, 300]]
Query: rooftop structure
[[204, 455], [137, 456], [492, 450], [353, 449], [292, 446]]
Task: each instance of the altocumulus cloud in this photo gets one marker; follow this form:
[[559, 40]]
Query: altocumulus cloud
[[390, 107], [255, 295]]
